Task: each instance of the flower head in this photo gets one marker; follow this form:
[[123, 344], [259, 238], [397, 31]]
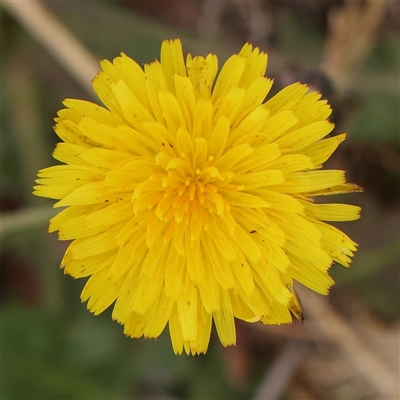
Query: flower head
[[188, 198]]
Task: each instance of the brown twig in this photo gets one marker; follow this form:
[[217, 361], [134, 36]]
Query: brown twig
[[352, 33], [27, 218], [328, 325], [278, 376], [57, 39]]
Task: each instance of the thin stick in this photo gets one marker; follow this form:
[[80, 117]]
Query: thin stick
[[57, 40], [24, 219], [352, 33], [330, 326], [277, 378]]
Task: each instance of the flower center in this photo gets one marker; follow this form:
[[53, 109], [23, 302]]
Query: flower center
[[189, 191]]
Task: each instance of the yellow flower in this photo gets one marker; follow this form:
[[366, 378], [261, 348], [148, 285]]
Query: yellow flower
[[188, 199]]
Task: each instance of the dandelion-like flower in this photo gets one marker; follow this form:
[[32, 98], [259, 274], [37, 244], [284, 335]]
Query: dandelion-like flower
[[189, 199]]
